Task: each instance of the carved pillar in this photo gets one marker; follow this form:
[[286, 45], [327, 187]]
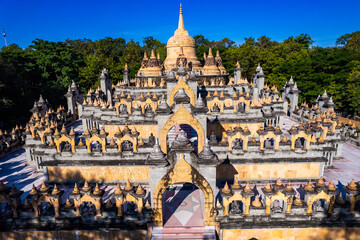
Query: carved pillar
[[119, 203], [268, 205], [98, 207], [247, 206], [77, 204], [226, 206], [140, 204], [331, 204], [289, 204], [56, 205], [309, 203], [36, 210], [352, 204]]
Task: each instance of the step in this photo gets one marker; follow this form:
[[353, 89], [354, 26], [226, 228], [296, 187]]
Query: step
[[182, 233]]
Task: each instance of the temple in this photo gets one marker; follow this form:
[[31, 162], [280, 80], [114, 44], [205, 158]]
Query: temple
[[181, 122]]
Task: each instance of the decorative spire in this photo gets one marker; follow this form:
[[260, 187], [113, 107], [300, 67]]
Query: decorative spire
[[309, 187], [140, 190], [267, 188], [210, 53], [118, 190], [76, 190], [256, 202], [236, 185], [352, 186], [55, 190], [128, 186], [320, 183], [152, 54], [97, 190], [72, 132], [226, 189], [181, 19], [332, 186], [247, 188], [156, 152], [33, 191], [44, 187], [86, 187]]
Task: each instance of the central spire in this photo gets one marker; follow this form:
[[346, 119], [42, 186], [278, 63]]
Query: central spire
[[181, 20], [181, 29]]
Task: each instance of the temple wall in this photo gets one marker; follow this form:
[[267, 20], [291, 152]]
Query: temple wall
[[144, 130], [292, 233], [220, 129], [267, 171], [80, 235], [99, 173]]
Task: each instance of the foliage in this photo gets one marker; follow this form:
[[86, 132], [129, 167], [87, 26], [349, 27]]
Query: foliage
[[48, 67]]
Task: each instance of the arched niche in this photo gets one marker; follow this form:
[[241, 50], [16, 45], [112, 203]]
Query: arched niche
[[215, 101], [62, 139], [242, 100], [182, 84], [312, 199], [240, 136], [182, 116], [301, 134], [102, 141], [123, 101], [270, 135], [126, 137]]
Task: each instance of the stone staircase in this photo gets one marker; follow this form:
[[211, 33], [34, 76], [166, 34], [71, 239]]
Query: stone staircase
[[207, 232]]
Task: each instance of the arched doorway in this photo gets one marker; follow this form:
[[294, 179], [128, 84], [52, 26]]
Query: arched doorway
[[183, 206], [183, 172], [190, 133]]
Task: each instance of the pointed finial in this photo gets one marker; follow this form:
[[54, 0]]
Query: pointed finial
[[181, 20], [97, 190], [226, 188], [236, 185], [256, 202], [118, 190], [145, 56], [128, 186], [76, 190], [210, 52], [33, 191], [140, 190], [152, 53], [332, 186], [55, 190], [352, 186], [267, 188], [247, 188]]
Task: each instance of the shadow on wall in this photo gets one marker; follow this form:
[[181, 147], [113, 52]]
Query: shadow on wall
[[83, 235], [225, 172], [59, 175]]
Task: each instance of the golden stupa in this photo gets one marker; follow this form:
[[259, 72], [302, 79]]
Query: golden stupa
[[181, 39]]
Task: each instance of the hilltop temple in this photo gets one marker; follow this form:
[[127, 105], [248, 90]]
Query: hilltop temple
[[182, 122]]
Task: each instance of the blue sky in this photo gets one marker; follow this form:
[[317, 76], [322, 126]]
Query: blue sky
[[51, 20]]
